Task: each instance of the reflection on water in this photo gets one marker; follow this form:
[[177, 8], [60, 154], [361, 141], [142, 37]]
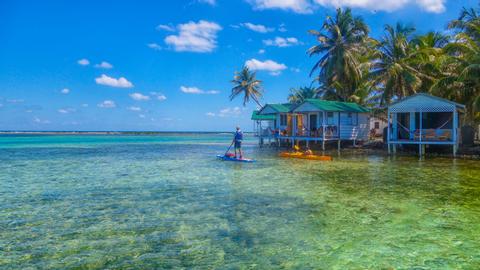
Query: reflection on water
[[165, 202]]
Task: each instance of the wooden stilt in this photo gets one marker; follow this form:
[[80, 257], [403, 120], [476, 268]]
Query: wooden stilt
[[338, 145]]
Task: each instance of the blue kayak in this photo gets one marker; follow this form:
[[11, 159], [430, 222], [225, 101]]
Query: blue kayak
[[227, 158]]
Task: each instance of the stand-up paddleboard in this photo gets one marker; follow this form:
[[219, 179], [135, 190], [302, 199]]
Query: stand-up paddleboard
[[227, 158]]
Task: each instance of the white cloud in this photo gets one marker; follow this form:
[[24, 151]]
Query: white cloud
[[135, 109], [273, 67], [104, 65], [281, 42], [230, 112], [83, 62], [15, 100], [108, 104], [261, 51], [66, 110], [109, 81], [139, 97], [40, 121], [196, 90], [210, 2], [154, 46], [282, 28], [85, 105], [307, 6], [257, 27], [141, 115], [434, 6], [297, 70], [195, 37], [226, 112], [65, 91], [297, 6], [165, 27], [158, 95]]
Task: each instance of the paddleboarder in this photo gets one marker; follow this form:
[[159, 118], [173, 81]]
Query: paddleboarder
[[237, 140]]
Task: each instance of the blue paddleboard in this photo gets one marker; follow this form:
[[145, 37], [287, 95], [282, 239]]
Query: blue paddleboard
[[226, 158]]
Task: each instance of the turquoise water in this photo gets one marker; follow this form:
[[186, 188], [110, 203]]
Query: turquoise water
[[165, 202]]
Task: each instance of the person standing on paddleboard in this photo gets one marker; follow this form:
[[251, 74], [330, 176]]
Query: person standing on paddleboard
[[237, 140]]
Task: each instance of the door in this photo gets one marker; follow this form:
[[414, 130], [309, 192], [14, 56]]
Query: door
[[313, 121]]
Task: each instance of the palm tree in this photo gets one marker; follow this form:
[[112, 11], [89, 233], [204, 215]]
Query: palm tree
[[394, 70], [429, 58], [342, 40], [461, 73], [298, 95], [246, 83]]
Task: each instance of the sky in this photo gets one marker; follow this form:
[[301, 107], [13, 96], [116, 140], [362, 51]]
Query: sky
[[167, 65]]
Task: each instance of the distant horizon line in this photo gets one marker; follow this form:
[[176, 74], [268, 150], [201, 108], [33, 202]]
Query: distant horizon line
[[102, 131]]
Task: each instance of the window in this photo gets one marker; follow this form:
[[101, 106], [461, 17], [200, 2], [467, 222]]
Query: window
[[377, 125], [330, 120], [283, 120]]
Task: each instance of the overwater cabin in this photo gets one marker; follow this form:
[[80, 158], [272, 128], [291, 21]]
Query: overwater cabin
[[319, 121], [277, 112], [263, 125], [423, 119]]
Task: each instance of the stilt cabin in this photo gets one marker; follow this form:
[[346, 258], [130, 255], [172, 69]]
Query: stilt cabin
[[263, 125], [319, 121], [422, 120]]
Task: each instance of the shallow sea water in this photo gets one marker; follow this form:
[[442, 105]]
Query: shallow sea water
[[165, 202]]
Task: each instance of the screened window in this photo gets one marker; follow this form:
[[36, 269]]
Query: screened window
[[283, 120], [330, 119]]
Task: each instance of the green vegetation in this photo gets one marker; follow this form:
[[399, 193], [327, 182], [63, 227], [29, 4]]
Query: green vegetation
[[355, 67], [245, 83]]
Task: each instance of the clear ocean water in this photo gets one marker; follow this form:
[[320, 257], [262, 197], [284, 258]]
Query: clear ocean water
[[165, 202]]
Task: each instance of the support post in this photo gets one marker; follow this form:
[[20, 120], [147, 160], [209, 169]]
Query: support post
[[388, 130], [338, 145], [323, 131], [420, 149], [455, 132]]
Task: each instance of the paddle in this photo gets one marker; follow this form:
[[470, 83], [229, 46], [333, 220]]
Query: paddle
[[228, 148]]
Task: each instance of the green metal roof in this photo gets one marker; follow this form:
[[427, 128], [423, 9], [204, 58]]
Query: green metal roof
[[256, 116], [282, 108], [336, 106]]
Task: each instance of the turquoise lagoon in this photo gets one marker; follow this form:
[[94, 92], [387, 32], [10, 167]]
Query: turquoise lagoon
[[165, 202]]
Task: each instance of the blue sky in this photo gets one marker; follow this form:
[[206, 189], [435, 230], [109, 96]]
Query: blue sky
[[166, 65]]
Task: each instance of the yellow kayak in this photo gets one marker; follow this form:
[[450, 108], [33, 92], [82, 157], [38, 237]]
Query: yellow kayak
[[304, 156]]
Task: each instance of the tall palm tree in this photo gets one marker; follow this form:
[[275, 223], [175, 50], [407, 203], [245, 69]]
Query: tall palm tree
[[394, 70], [245, 83], [461, 74], [467, 22], [298, 95], [429, 58], [342, 40]]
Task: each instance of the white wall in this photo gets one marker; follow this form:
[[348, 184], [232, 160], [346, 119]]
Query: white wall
[[358, 131], [382, 123]]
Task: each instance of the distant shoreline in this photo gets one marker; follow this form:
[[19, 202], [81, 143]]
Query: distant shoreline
[[12, 132]]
